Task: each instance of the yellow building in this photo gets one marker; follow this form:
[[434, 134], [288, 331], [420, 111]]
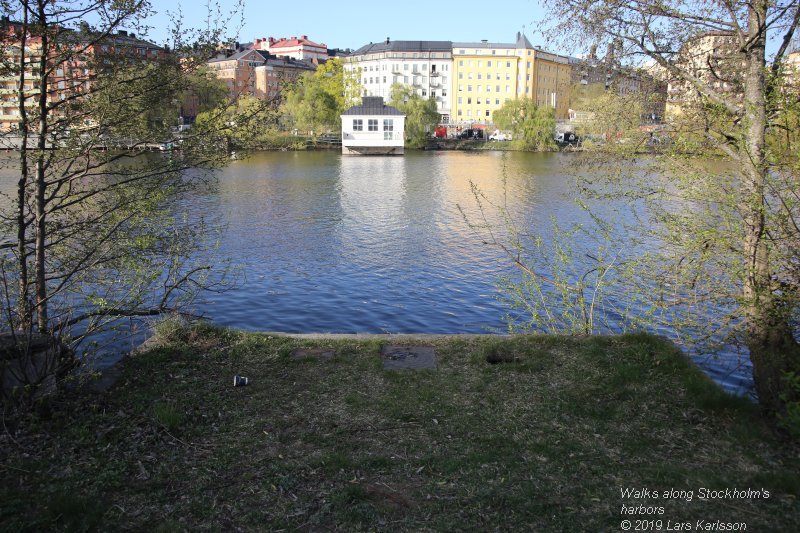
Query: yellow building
[[792, 66], [486, 75], [714, 59]]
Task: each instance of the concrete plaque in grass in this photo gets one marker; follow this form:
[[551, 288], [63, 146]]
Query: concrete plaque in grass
[[414, 357], [312, 353]]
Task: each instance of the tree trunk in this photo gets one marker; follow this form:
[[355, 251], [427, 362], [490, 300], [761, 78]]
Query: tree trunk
[[23, 304], [40, 232], [773, 349]]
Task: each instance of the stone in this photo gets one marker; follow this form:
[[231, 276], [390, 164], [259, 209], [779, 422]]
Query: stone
[[411, 357], [28, 365]]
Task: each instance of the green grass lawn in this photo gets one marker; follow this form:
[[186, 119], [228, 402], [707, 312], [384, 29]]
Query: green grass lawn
[[542, 439]]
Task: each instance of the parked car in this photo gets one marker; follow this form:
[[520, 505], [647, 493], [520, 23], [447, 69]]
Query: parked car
[[499, 136], [567, 137], [471, 133]]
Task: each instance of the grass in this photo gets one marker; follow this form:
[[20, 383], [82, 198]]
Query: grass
[[534, 433]]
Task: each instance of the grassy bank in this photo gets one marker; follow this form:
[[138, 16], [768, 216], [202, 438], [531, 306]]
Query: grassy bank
[[542, 438]]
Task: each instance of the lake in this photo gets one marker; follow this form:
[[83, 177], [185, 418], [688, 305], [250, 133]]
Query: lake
[[321, 242]]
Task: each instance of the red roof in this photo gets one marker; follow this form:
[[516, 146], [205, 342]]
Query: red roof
[[294, 41]]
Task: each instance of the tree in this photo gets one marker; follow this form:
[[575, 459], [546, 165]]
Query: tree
[[421, 114], [613, 116], [318, 99], [730, 232], [98, 233], [311, 107], [533, 127], [206, 89], [339, 83], [242, 124]]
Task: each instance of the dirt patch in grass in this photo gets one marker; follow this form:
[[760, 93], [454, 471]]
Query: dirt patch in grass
[[544, 441]]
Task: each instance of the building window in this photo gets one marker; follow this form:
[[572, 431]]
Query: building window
[[460, 100], [496, 101], [405, 79], [424, 92], [388, 124], [461, 75], [444, 92], [358, 124], [459, 112], [469, 100], [372, 124], [487, 112], [469, 88], [489, 63]]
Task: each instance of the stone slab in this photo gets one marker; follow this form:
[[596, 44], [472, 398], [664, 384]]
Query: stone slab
[[397, 357], [315, 353]]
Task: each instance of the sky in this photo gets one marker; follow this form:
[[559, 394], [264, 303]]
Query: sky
[[354, 23]]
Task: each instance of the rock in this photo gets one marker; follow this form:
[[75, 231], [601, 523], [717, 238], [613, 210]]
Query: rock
[[29, 365]]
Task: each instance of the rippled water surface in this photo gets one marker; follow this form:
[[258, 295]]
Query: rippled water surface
[[368, 244], [326, 243]]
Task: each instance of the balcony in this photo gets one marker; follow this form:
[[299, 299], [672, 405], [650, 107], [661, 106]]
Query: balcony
[[10, 90]]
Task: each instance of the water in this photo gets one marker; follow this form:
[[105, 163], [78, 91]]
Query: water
[[325, 243], [369, 244]]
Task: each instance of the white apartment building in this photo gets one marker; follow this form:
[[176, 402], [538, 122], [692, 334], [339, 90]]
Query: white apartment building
[[425, 65]]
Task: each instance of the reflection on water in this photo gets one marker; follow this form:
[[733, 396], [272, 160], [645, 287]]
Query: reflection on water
[[326, 243]]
